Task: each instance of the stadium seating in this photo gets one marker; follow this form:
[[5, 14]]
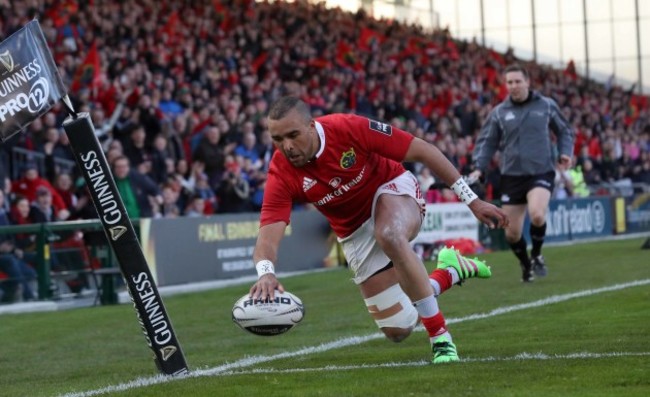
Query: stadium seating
[[222, 63]]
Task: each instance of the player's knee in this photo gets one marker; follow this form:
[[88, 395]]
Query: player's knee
[[385, 235], [537, 218], [390, 239], [393, 313], [396, 334]]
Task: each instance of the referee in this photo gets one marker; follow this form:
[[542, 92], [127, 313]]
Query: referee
[[520, 127]]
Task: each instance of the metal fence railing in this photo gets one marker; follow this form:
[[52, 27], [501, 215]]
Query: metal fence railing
[[92, 257], [622, 187], [21, 156]]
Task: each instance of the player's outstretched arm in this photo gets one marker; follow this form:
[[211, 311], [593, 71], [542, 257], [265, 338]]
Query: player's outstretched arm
[[433, 158], [264, 257], [429, 155]]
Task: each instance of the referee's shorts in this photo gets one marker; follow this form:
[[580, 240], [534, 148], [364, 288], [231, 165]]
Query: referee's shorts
[[514, 188]]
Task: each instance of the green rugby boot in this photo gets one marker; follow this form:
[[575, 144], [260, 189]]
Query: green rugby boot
[[466, 268], [444, 351]]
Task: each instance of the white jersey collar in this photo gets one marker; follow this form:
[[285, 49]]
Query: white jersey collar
[[321, 135]]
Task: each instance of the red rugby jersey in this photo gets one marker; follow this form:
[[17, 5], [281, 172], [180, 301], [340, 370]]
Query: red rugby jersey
[[357, 155]]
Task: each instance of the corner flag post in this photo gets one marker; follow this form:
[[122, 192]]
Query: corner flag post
[[153, 318], [28, 66]]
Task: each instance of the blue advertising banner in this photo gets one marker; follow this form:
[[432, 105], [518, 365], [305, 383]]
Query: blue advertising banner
[[574, 219], [637, 213]]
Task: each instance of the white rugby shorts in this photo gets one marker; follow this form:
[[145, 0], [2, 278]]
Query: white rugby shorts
[[361, 250]]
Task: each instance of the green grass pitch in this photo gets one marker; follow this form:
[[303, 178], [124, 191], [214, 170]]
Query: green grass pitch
[[584, 330]]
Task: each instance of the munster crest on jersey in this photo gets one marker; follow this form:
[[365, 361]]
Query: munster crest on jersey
[[348, 159]]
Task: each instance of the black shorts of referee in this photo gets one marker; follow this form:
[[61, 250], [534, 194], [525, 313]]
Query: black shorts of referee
[[514, 188]]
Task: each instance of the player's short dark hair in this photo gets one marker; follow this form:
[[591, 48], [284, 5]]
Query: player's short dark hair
[[516, 67], [284, 105]]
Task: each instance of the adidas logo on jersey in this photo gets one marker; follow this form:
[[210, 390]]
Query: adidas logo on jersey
[[307, 183], [392, 186]]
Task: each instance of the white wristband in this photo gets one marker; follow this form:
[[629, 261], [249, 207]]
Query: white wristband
[[463, 191], [264, 267]]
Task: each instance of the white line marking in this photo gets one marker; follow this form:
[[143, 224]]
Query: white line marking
[[424, 363], [549, 300], [355, 340]]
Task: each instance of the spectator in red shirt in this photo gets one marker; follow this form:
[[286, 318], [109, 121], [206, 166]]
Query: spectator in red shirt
[[593, 143], [29, 184]]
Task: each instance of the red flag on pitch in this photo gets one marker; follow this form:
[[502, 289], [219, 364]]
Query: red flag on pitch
[[88, 73]]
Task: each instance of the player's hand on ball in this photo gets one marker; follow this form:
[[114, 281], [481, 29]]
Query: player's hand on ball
[[268, 317], [266, 286]]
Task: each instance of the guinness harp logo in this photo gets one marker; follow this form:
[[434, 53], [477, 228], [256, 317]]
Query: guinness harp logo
[[7, 60], [167, 352], [117, 232]]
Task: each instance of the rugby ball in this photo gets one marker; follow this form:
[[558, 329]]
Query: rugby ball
[[268, 317]]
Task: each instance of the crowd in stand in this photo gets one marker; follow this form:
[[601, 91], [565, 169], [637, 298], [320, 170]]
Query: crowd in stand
[[182, 89], [178, 91]]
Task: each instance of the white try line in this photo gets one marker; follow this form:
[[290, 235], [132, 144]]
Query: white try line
[[349, 341], [424, 363]]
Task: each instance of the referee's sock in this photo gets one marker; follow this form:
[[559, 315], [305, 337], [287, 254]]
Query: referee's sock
[[537, 234], [519, 248]]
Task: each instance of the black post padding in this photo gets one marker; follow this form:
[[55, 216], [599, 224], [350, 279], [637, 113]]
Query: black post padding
[[153, 318]]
